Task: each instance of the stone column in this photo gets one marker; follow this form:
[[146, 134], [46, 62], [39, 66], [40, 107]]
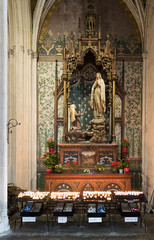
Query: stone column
[[22, 146], [4, 226]]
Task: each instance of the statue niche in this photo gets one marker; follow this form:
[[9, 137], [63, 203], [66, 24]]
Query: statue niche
[[87, 83]]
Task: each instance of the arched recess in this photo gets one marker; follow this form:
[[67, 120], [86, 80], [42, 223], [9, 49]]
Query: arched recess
[[132, 5]]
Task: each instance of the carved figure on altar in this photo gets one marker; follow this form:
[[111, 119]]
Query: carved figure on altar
[[75, 118], [98, 100], [75, 134]]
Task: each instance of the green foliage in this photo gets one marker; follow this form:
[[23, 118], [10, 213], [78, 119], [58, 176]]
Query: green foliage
[[50, 161], [125, 143]]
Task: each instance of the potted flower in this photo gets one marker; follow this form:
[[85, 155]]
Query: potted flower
[[73, 165], [50, 144], [86, 171], [121, 169], [114, 166], [126, 165], [125, 145], [50, 161], [100, 167], [58, 168], [120, 166]]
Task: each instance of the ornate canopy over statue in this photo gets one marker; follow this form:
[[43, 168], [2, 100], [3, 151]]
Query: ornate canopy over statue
[[90, 65]]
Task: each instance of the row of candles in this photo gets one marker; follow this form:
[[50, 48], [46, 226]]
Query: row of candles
[[128, 193], [87, 195], [65, 195], [34, 195]]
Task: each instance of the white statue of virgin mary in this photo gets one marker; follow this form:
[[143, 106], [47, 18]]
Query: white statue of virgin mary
[[98, 99]]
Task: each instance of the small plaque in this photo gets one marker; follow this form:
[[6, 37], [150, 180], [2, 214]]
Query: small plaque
[[94, 219], [131, 219], [28, 219], [62, 219]]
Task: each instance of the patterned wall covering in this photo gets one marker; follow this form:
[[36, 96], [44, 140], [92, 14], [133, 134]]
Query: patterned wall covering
[[119, 71], [118, 135], [60, 106], [118, 106], [133, 106], [46, 85], [118, 114], [60, 133]]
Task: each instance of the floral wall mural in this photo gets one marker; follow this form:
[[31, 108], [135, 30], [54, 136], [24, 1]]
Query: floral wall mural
[[119, 71], [46, 86], [118, 135], [118, 106], [133, 107], [60, 106]]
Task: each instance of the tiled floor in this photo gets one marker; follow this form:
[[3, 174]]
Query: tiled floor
[[87, 231]]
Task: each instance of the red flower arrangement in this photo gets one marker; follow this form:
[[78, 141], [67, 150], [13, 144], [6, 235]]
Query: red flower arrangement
[[114, 166], [73, 165], [50, 143], [125, 143]]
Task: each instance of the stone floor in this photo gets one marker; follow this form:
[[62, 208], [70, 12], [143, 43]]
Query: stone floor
[[87, 231]]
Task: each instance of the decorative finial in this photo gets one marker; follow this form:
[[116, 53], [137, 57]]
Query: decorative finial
[[90, 19]]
